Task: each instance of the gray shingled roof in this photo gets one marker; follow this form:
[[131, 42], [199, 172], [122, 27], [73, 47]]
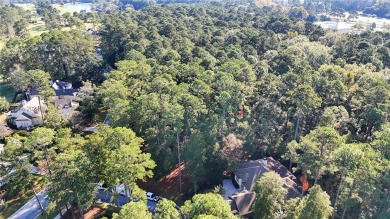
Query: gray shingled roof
[[243, 202]]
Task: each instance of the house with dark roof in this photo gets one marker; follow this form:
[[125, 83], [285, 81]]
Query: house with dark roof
[[63, 88], [65, 96], [240, 189]]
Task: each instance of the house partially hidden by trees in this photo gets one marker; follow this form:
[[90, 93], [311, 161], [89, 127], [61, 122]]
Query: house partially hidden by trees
[[65, 97], [28, 114], [239, 191]]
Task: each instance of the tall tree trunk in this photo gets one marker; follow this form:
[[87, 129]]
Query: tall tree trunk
[[61, 216], [337, 197], [349, 195], [72, 211], [126, 192], [178, 157], [345, 210], [317, 176], [81, 212], [39, 202], [47, 160], [67, 209], [59, 209]]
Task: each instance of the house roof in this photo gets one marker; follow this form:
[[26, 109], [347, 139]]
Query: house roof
[[249, 172], [291, 187], [242, 202], [32, 92], [29, 115], [22, 118], [62, 88], [61, 85], [63, 100], [66, 92]]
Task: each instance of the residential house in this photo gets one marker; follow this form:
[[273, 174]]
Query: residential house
[[63, 88], [28, 114], [65, 97], [240, 189]]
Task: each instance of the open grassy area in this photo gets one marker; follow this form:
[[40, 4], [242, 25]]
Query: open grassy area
[[39, 27], [27, 6], [2, 44], [62, 9], [14, 204]]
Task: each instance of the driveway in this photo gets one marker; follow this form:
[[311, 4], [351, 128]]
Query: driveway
[[122, 200], [31, 209]]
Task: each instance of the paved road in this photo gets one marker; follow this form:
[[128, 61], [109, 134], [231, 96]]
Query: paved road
[[31, 209]]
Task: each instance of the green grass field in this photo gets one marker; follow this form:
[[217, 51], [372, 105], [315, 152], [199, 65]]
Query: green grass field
[[62, 9], [27, 6], [39, 27]]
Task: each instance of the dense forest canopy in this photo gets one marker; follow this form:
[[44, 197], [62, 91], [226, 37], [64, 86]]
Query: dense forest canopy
[[210, 82]]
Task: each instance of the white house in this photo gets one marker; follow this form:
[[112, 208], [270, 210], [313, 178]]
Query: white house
[[27, 114]]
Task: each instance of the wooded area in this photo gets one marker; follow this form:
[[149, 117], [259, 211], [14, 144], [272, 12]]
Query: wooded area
[[217, 85]]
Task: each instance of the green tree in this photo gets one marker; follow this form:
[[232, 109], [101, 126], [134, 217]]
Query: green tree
[[4, 104], [270, 196], [317, 148], [166, 209], [317, 204], [116, 157], [133, 210], [53, 118], [207, 206], [70, 181], [34, 79], [39, 140]]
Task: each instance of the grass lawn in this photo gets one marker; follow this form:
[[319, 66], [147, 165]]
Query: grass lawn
[[37, 28], [2, 44], [27, 6], [62, 9], [50, 216], [14, 204], [3, 117]]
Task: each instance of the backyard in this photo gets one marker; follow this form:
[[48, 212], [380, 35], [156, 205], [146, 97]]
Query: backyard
[[169, 186]]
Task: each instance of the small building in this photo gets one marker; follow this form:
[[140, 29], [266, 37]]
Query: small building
[[1, 148], [240, 189], [28, 114]]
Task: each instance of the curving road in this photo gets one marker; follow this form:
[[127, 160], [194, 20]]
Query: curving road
[[31, 209]]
